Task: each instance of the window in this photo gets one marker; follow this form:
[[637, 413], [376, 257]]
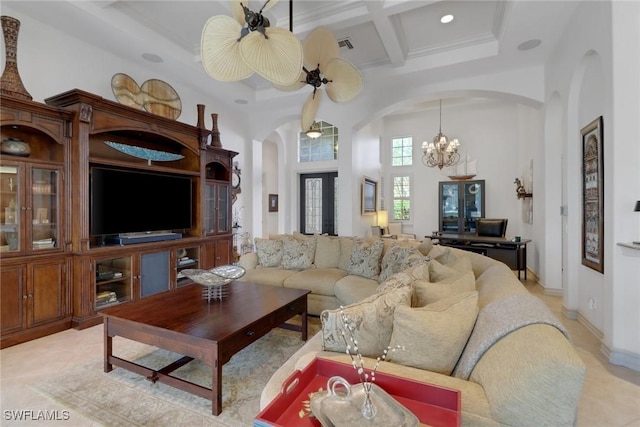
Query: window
[[402, 198], [402, 151], [320, 149]]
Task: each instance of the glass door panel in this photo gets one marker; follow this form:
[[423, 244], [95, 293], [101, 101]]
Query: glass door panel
[[318, 203], [223, 208], [210, 208], [473, 208], [10, 208], [449, 206], [45, 209]]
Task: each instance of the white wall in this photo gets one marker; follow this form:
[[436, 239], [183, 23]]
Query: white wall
[[590, 79]]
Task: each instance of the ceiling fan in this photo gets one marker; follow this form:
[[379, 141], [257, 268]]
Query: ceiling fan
[[323, 66], [233, 49]]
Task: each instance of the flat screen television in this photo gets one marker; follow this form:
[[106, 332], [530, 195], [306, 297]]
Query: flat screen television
[[127, 201]]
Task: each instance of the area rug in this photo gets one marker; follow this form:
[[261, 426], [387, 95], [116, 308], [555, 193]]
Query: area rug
[[123, 398]]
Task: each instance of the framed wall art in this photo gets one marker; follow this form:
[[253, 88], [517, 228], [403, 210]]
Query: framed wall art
[[369, 196], [273, 203], [593, 196]]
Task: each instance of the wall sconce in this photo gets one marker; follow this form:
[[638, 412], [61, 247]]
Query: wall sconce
[[383, 221], [520, 191]]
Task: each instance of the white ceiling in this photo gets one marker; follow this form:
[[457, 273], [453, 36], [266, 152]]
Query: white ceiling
[[390, 38]]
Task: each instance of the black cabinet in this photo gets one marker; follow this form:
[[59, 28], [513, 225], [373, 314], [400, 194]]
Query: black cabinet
[[460, 204]]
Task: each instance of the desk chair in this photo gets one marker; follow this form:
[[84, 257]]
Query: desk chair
[[491, 227]]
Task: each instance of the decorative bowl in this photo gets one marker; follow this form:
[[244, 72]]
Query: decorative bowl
[[215, 279]]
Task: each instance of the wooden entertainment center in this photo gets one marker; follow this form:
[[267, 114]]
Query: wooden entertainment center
[[54, 273]]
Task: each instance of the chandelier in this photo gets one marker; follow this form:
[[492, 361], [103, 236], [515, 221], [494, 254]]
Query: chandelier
[[441, 152]]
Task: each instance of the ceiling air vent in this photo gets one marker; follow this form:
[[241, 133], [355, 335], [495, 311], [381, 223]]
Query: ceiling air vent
[[345, 42]]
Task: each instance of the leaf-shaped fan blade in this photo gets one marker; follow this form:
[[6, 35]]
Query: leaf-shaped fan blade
[[220, 50], [346, 80], [310, 109], [238, 11], [268, 6], [297, 84], [277, 58], [320, 47]]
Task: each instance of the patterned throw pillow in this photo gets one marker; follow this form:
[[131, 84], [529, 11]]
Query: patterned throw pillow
[[434, 336], [365, 257], [397, 259], [298, 252], [372, 319], [269, 252], [425, 293]]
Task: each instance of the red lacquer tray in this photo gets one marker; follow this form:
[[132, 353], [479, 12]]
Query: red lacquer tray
[[433, 405]]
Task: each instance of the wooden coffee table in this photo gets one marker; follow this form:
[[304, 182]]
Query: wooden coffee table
[[182, 321]]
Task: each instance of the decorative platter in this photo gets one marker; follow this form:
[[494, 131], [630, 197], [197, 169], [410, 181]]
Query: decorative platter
[[144, 153], [126, 91], [154, 96]]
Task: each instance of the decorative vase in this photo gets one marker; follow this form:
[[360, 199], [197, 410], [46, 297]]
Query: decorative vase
[[369, 409], [10, 82], [15, 147], [215, 133]]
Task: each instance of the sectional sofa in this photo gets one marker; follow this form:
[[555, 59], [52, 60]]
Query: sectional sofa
[[477, 330]]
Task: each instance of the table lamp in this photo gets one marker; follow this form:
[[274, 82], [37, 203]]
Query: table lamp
[[637, 209], [383, 221]]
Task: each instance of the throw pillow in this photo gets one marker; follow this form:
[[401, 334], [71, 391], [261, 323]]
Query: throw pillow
[[398, 258], [442, 254], [269, 252], [429, 292], [396, 281], [425, 247], [298, 252], [327, 252], [365, 257], [461, 264], [434, 336], [372, 321], [439, 272]]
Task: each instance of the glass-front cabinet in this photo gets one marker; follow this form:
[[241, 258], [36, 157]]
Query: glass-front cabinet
[[29, 207], [217, 205], [113, 281], [461, 203]]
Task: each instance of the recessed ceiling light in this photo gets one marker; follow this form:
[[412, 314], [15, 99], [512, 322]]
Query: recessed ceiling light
[[241, 101], [446, 19], [529, 44], [152, 57]]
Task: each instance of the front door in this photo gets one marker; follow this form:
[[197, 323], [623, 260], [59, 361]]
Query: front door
[[318, 214]]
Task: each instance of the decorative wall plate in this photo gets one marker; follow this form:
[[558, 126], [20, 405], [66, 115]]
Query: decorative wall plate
[[126, 91], [144, 153], [161, 99], [154, 96]]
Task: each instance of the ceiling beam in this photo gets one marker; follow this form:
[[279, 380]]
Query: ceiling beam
[[387, 33]]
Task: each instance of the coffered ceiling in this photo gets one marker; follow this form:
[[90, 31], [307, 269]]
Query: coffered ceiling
[[386, 39]]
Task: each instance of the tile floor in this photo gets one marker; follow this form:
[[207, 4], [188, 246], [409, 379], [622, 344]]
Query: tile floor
[[610, 397]]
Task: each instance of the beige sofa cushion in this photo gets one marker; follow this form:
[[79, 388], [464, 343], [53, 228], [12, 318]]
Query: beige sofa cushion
[[274, 276], [433, 337], [346, 244], [425, 293], [320, 281], [327, 252], [371, 321], [298, 252], [269, 252], [439, 272], [365, 257], [351, 289]]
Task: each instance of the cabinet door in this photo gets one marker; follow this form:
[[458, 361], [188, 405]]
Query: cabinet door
[[11, 206], [47, 295], [223, 251], [43, 219], [13, 292], [449, 207], [154, 273]]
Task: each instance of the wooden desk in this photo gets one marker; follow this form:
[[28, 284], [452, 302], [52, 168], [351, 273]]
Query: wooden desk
[[514, 254], [184, 322]]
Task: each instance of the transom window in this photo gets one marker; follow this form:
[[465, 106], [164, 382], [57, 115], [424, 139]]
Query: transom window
[[402, 198], [402, 151], [320, 149]]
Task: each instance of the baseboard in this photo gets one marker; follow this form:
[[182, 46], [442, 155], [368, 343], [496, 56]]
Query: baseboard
[[595, 331], [570, 314], [621, 357]]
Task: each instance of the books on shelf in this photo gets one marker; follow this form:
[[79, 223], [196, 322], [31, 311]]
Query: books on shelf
[[106, 297], [43, 243]]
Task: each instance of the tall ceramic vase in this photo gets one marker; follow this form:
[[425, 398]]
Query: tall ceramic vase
[[10, 82]]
